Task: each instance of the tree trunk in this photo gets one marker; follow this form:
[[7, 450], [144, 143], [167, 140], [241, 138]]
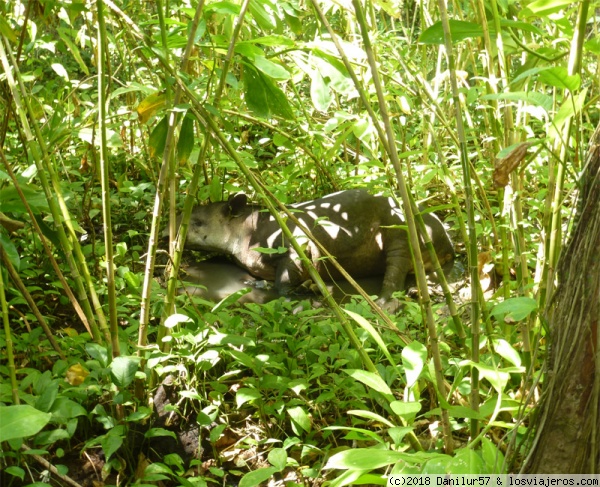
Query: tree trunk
[[567, 439]]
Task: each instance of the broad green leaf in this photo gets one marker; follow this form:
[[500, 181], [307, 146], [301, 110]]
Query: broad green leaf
[[257, 477], [406, 410], [21, 421], [111, 443], [542, 8], [263, 96], [414, 357], [371, 380], [278, 458], [60, 70], [371, 416], [123, 369], [271, 250], [6, 30], [559, 77], [593, 45], [571, 106], [498, 378], [506, 351], [186, 141], [271, 69], [11, 251], [466, 461], [65, 409], [513, 310], [391, 7], [371, 458], [16, 472], [530, 97], [492, 456], [224, 8], [45, 401], [300, 417], [363, 432], [51, 437], [267, 21], [150, 105], [98, 353], [66, 35], [158, 432], [334, 71], [158, 138], [370, 329], [319, 92], [175, 319], [245, 395], [459, 31]]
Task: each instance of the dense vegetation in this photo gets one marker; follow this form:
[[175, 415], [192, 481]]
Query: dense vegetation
[[116, 117]]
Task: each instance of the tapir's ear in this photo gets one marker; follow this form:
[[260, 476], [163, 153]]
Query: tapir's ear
[[237, 203]]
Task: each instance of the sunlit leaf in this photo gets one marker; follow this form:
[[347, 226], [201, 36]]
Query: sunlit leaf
[[123, 369], [21, 421]]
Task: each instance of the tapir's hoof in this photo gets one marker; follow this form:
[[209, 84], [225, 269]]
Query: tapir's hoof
[[391, 305]]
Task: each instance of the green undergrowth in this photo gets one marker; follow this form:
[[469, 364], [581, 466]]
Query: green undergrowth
[[271, 391]]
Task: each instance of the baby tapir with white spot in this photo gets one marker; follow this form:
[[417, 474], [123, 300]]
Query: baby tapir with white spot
[[354, 226]]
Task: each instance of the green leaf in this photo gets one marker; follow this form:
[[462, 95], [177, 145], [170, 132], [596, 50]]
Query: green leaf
[[514, 309], [506, 351], [371, 458], [10, 249], [571, 106], [245, 395], [300, 417], [266, 21], [6, 30], [186, 141], [263, 97], [111, 443], [492, 456], [66, 35], [64, 409], [406, 410], [530, 97], [559, 76], [21, 421], [51, 437], [542, 8], [271, 250], [278, 458], [414, 357], [370, 329], [176, 319], [45, 401], [271, 69], [158, 432], [123, 369], [371, 380], [158, 138], [371, 416], [498, 378], [16, 472], [320, 94], [459, 31], [465, 461], [257, 477], [98, 353]]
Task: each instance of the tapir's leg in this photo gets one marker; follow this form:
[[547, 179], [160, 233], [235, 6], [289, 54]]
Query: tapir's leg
[[398, 263], [289, 275]]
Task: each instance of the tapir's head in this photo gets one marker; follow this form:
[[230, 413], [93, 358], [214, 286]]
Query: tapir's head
[[216, 227]]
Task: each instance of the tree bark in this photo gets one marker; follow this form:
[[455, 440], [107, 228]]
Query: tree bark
[[567, 439]]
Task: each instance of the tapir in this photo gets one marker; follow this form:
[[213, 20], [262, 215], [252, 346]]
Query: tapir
[[363, 232]]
